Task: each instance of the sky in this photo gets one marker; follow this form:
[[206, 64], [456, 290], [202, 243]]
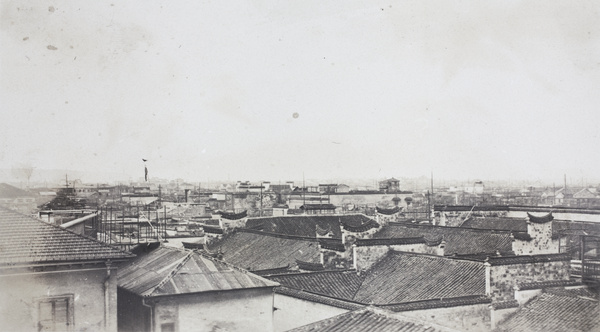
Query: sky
[[269, 90]]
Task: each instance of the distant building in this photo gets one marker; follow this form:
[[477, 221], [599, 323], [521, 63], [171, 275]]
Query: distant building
[[389, 185], [17, 199]]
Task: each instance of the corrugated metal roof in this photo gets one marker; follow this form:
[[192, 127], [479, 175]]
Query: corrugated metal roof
[[170, 271], [25, 240]]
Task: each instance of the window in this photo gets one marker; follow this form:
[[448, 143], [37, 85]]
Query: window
[[55, 313]]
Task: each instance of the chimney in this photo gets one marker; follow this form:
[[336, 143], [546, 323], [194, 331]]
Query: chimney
[[187, 195]]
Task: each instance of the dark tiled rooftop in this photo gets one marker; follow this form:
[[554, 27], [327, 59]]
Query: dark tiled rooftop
[[508, 260], [498, 223], [399, 277], [459, 240], [367, 319], [402, 277], [25, 240], [555, 313], [170, 271], [339, 284], [306, 225], [254, 250]]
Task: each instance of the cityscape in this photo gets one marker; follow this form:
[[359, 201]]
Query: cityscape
[[314, 166]]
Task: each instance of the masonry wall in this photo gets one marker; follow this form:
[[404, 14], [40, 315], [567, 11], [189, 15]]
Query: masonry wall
[[366, 256], [384, 219], [503, 278], [463, 318], [236, 310], [292, 312], [20, 295], [541, 243]]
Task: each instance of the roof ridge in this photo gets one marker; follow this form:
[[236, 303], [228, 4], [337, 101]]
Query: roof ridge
[[312, 272], [395, 223], [279, 235], [233, 267], [172, 273]]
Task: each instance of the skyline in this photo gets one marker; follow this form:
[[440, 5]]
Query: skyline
[[269, 90]]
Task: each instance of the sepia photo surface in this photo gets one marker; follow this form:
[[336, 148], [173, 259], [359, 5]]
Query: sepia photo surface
[[299, 166]]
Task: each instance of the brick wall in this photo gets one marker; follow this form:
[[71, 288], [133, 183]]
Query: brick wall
[[503, 278], [541, 242]]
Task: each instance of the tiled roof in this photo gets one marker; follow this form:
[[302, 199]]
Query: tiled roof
[[499, 223], [540, 219], [338, 284], [509, 260], [399, 277], [254, 250], [404, 277], [8, 191], [438, 303], [170, 271], [318, 298], [332, 244], [388, 242], [545, 284], [458, 240], [387, 211], [234, 216], [306, 225], [24, 240], [549, 312], [505, 304], [367, 319]]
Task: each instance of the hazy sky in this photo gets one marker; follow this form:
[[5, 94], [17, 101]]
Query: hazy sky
[[208, 89]]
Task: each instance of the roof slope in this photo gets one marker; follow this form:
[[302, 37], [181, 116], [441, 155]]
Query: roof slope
[[461, 241], [367, 319], [25, 240], [170, 271], [555, 312], [404, 277], [499, 223], [338, 284], [262, 251], [306, 225], [397, 278]]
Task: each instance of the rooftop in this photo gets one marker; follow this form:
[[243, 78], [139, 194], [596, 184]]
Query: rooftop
[[366, 319], [25, 240], [307, 225], [170, 271], [461, 241], [398, 278], [255, 250], [555, 312]]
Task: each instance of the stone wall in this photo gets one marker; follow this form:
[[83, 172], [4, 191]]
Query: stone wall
[[503, 278], [367, 256], [541, 241]]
